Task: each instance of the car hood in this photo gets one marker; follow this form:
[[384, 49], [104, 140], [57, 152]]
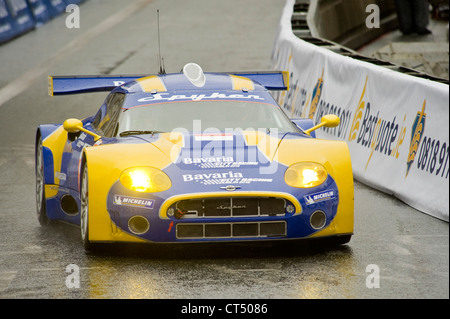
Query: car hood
[[209, 150], [250, 161]]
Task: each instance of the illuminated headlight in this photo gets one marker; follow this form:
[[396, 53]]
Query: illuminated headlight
[[145, 179], [305, 175]]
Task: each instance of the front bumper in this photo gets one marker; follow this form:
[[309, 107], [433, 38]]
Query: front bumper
[[214, 216]]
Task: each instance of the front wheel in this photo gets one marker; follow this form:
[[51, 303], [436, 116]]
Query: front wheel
[[332, 241], [40, 185], [84, 215]]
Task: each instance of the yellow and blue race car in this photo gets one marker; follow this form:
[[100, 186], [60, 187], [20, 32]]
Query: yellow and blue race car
[[192, 157]]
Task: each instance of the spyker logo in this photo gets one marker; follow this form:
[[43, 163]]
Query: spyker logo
[[230, 188], [224, 207]]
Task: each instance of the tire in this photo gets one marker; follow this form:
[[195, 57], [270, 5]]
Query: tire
[[40, 185], [342, 240], [84, 211], [330, 242]]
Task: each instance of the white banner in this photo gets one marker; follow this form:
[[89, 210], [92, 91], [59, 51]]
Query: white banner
[[396, 126]]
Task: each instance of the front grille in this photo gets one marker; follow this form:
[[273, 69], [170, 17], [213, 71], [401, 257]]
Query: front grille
[[231, 230], [229, 207]]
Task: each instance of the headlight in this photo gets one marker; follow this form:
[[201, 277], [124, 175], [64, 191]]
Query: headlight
[[145, 179], [305, 175]]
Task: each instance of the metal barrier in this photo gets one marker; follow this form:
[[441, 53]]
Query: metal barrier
[[20, 16], [394, 119]]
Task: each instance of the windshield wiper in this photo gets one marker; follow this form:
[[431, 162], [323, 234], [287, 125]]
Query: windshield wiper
[[128, 133]]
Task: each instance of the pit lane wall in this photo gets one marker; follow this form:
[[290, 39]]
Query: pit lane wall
[[20, 16], [396, 125]]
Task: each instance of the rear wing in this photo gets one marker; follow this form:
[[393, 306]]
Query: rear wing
[[63, 85], [271, 80]]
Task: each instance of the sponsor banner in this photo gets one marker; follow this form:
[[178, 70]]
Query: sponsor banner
[[396, 126], [15, 19], [7, 30], [20, 16], [44, 10], [55, 7], [73, 1], [40, 10]]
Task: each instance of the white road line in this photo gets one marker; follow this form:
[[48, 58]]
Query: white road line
[[6, 277], [22, 83]]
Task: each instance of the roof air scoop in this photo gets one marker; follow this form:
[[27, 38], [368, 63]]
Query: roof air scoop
[[195, 74]]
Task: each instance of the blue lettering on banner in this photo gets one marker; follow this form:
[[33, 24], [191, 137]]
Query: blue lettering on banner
[[55, 7], [40, 11], [22, 16], [6, 23], [15, 19], [319, 197], [120, 200]]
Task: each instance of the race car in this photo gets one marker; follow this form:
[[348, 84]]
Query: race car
[[192, 157]]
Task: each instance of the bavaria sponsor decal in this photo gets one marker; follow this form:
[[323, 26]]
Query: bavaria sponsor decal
[[223, 178], [120, 200], [201, 160], [319, 197]]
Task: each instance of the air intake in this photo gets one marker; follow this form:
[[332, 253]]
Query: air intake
[[195, 74]]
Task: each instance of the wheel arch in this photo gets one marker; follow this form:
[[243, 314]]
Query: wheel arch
[[104, 170], [52, 135], [42, 132]]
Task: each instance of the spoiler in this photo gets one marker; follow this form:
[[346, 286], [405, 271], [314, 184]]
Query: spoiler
[[63, 85], [271, 80]]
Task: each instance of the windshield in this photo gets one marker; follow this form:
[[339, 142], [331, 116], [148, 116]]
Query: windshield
[[202, 115]]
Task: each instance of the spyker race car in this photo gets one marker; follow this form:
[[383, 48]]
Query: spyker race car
[[192, 157]]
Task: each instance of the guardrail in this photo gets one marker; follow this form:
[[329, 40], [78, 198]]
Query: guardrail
[[20, 16], [395, 120]]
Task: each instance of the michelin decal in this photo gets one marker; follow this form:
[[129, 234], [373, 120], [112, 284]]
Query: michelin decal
[[120, 200]]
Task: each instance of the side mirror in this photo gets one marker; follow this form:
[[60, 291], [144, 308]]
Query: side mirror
[[329, 120], [72, 125], [75, 126]]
